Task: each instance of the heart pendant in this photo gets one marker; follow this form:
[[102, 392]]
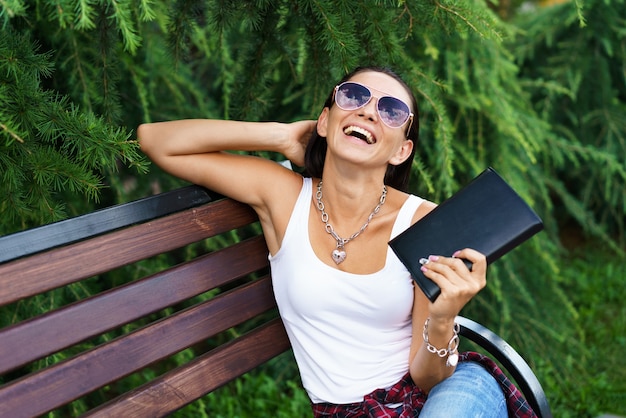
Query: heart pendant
[[453, 359], [338, 256]]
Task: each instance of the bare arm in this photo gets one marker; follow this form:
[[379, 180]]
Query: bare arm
[[195, 150]]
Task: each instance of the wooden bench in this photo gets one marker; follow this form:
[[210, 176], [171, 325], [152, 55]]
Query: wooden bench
[[136, 324]]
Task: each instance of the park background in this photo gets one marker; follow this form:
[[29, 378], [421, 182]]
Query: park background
[[535, 89]]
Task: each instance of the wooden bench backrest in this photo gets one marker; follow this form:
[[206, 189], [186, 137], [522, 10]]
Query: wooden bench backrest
[[144, 315]]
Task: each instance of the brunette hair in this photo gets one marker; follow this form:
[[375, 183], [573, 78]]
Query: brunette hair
[[396, 176]]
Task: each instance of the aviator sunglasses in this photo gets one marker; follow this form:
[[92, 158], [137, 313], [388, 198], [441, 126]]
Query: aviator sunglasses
[[392, 111]]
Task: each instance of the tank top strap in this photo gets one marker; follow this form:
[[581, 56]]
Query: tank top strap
[[405, 215]]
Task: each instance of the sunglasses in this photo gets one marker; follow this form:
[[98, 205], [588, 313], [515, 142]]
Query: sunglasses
[[393, 112]]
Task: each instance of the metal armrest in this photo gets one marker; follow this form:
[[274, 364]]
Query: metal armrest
[[512, 362]]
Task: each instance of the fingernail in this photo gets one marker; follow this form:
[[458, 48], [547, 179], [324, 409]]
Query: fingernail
[[433, 257], [456, 253], [423, 268]]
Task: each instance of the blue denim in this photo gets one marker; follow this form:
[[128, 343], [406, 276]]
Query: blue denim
[[470, 392]]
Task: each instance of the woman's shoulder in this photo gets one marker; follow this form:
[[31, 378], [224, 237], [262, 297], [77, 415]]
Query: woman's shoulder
[[283, 185], [418, 205], [423, 209]]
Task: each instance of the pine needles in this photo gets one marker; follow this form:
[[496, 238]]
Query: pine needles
[[541, 99], [49, 145]]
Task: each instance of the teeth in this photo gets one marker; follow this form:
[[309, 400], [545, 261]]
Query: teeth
[[360, 133]]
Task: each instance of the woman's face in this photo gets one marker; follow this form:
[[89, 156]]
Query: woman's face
[[362, 133]]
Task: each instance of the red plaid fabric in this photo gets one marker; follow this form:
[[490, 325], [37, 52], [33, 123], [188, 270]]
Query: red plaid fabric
[[412, 398]]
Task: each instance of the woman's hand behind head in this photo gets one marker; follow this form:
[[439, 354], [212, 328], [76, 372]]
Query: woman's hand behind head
[[298, 136]]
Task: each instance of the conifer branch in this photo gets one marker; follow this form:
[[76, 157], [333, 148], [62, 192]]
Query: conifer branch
[[11, 8], [338, 34], [79, 71], [147, 12], [12, 134], [579, 11], [407, 11], [457, 14], [545, 108], [481, 18], [122, 13], [85, 13]]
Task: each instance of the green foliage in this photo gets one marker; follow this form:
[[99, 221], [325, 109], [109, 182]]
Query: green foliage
[[592, 379], [576, 78], [49, 146], [541, 99]]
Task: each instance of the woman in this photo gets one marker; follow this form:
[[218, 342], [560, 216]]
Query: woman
[[366, 340]]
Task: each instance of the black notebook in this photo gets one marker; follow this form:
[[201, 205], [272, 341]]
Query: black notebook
[[486, 215]]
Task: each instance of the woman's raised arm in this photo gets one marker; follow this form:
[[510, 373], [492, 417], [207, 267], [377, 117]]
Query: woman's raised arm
[[196, 150]]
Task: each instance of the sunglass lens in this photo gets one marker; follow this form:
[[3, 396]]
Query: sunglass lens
[[351, 96], [392, 111]]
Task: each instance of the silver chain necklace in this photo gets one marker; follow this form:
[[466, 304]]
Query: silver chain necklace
[[339, 253]]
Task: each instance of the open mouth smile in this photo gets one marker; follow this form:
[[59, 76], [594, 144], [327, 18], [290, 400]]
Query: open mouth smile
[[360, 133]]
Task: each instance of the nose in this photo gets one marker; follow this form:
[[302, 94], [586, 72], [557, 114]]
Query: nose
[[370, 110]]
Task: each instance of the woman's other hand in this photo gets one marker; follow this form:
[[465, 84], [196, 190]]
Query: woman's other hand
[[458, 284]]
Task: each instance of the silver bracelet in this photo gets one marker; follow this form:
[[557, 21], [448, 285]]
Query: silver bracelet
[[450, 351]]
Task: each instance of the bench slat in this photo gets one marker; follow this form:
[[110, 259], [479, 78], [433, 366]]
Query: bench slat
[[208, 372], [61, 233], [107, 252], [57, 385], [62, 328]]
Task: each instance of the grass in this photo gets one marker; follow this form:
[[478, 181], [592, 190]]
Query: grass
[[594, 281]]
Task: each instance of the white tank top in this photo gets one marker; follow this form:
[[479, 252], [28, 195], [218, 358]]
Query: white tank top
[[350, 333]]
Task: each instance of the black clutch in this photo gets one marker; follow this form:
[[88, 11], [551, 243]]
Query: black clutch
[[486, 215]]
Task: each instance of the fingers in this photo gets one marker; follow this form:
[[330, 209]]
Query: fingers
[[478, 260], [453, 276], [295, 143], [307, 128]]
